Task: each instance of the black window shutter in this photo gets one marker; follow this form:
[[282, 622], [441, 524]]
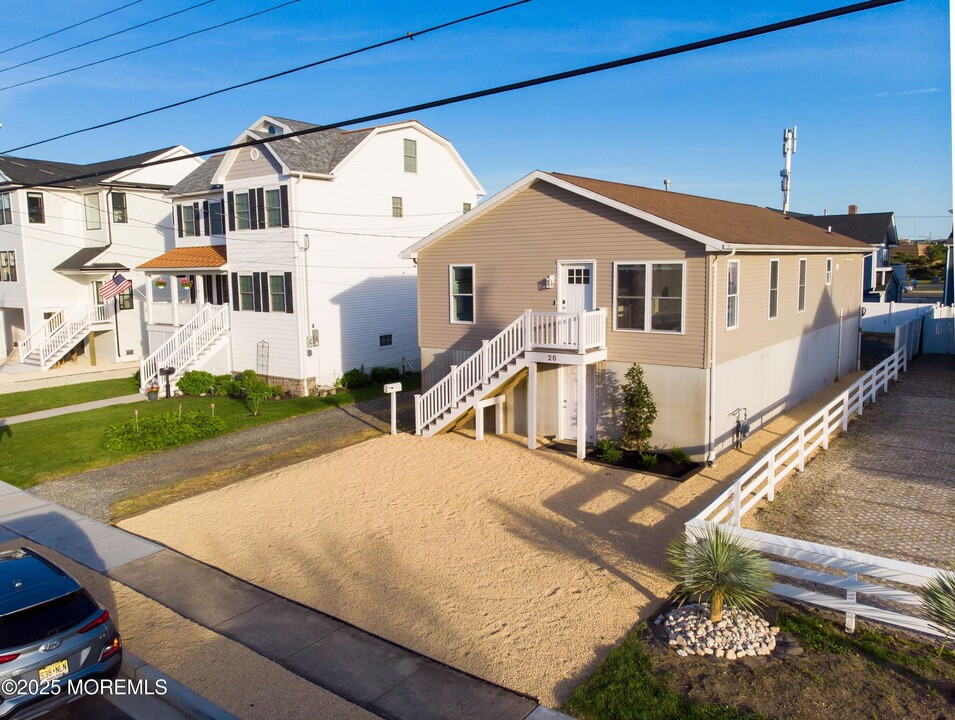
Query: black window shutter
[[207, 218], [179, 220], [231, 197], [256, 292], [266, 299], [288, 290], [261, 195], [235, 289], [224, 289], [196, 227], [253, 210], [207, 288], [283, 192]]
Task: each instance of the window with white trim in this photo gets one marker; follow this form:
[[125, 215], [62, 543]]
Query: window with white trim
[[188, 220], [462, 293], [828, 271], [411, 155], [216, 218], [277, 293], [8, 266], [801, 297], [91, 211], [118, 202], [649, 296], [397, 207], [273, 208], [35, 211], [773, 289], [732, 294], [242, 216], [124, 300], [246, 293], [466, 208], [6, 214]]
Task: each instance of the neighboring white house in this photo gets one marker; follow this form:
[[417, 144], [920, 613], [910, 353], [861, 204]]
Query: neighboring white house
[[60, 240], [287, 254]]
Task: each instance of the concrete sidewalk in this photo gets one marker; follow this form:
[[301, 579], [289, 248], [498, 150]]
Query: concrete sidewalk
[[69, 409], [366, 670], [16, 377]]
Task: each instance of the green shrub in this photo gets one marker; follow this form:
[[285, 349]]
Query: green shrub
[[649, 460], [354, 378], [639, 411], [609, 451], [939, 600], [678, 456], [226, 386], [255, 390], [161, 431], [196, 382], [381, 375]]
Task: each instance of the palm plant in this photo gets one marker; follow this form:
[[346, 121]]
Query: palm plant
[[938, 596], [721, 567]]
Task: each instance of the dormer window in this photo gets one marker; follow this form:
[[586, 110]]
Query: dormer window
[[272, 130]]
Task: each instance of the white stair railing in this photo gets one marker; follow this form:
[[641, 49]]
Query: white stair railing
[[186, 343], [33, 342]]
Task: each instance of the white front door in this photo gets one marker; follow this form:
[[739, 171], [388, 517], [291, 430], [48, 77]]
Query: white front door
[[569, 409], [576, 287]]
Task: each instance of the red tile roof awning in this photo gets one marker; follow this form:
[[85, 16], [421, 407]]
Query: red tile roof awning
[[189, 258]]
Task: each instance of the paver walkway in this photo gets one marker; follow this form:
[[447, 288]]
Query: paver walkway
[[372, 673], [70, 409], [887, 486]]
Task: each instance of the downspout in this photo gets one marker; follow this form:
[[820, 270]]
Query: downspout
[[710, 441], [109, 243]]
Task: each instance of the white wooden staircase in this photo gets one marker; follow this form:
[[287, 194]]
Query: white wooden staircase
[[501, 360], [61, 332], [189, 347]]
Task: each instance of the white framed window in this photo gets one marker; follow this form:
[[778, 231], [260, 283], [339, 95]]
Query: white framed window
[[828, 271], [8, 266], [277, 292], [216, 218], [648, 296], [732, 294], [6, 214], [188, 220], [273, 208], [242, 216], [397, 207], [773, 289], [465, 208], [385, 340], [246, 293], [801, 288], [411, 155], [91, 211], [462, 293], [35, 211], [118, 202]]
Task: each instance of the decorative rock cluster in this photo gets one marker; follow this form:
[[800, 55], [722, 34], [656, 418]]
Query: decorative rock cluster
[[739, 634]]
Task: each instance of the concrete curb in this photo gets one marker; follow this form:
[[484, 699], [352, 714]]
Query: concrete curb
[[542, 712], [188, 703]]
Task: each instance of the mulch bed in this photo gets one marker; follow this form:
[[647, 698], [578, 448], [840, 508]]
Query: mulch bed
[[631, 460]]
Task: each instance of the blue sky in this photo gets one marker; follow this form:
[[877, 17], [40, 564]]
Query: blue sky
[[870, 93]]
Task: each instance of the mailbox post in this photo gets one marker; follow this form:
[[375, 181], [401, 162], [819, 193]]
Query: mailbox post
[[393, 389], [167, 372]]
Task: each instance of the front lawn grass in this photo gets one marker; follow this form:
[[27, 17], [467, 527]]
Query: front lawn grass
[[45, 449], [28, 401]]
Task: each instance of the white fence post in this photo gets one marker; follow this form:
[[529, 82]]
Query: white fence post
[[528, 331], [845, 412], [825, 430], [417, 414], [771, 476], [737, 503], [802, 449], [454, 385], [485, 361], [851, 597], [581, 332]]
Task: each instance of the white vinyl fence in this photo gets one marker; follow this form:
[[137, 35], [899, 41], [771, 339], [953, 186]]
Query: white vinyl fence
[[847, 581], [880, 317]]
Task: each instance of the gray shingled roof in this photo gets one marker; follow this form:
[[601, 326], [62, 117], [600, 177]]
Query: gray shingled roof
[[870, 228], [25, 171], [82, 260], [200, 179], [319, 152]]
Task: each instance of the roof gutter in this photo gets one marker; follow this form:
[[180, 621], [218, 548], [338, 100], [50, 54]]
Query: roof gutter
[[744, 247], [313, 176]]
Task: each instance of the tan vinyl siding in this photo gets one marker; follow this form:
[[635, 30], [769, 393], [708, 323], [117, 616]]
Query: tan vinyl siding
[[823, 302], [245, 167], [517, 245]]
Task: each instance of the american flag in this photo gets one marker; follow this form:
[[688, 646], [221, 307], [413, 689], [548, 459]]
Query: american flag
[[114, 286]]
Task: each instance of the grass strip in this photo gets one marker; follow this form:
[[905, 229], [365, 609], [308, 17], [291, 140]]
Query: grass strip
[[28, 401]]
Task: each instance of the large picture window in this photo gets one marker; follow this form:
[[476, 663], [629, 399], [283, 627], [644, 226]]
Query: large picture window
[[732, 294], [8, 266], [773, 289], [649, 296], [801, 301], [462, 293]]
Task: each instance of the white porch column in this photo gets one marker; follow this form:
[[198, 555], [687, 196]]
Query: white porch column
[[174, 299], [201, 298], [531, 406], [581, 412], [149, 299], [479, 422]]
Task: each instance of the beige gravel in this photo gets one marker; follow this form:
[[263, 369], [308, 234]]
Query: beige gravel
[[520, 567], [224, 672]]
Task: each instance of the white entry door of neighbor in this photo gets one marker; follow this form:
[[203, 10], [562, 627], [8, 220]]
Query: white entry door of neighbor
[[576, 291], [569, 414]]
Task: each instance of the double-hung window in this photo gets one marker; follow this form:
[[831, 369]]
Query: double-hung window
[[8, 266], [462, 293], [411, 156], [828, 271], [118, 201], [188, 221], [35, 212], [216, 218], [242, 217], [648, 296], [91, 210], [732, 295], [773, 289], [801, 295], [246, 293], [6, 214], [277, 292], [397, 207], [273, 208]]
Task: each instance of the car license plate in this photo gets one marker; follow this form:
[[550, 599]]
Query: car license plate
[[54, 671]]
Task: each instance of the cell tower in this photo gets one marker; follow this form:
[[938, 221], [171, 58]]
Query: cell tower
[[789, 147]]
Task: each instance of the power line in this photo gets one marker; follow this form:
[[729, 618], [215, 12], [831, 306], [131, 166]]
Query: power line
[[70, 27], [155, 45], [511, 87], [273, 76], [106, 37]]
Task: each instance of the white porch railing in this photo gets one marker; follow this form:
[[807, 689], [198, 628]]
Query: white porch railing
[[845, 574], [36, 338], [576, 332], [102, 313], [163, 313], [52, 339], [186, 343]]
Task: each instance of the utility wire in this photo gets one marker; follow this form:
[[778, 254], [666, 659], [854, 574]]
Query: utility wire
[[70, 27], [511, 87], [273, 76], [154, 45], [106, 37]]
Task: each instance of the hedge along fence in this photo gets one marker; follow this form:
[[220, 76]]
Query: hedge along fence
[[157, 432]]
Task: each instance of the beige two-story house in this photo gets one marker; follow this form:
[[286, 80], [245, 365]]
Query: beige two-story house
[[548, 292]]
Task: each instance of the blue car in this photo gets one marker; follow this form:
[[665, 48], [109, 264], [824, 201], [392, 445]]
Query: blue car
[[53, 636]]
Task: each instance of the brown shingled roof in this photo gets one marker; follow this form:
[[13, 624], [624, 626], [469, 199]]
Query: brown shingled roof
[[209, 256], [729, 222]]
